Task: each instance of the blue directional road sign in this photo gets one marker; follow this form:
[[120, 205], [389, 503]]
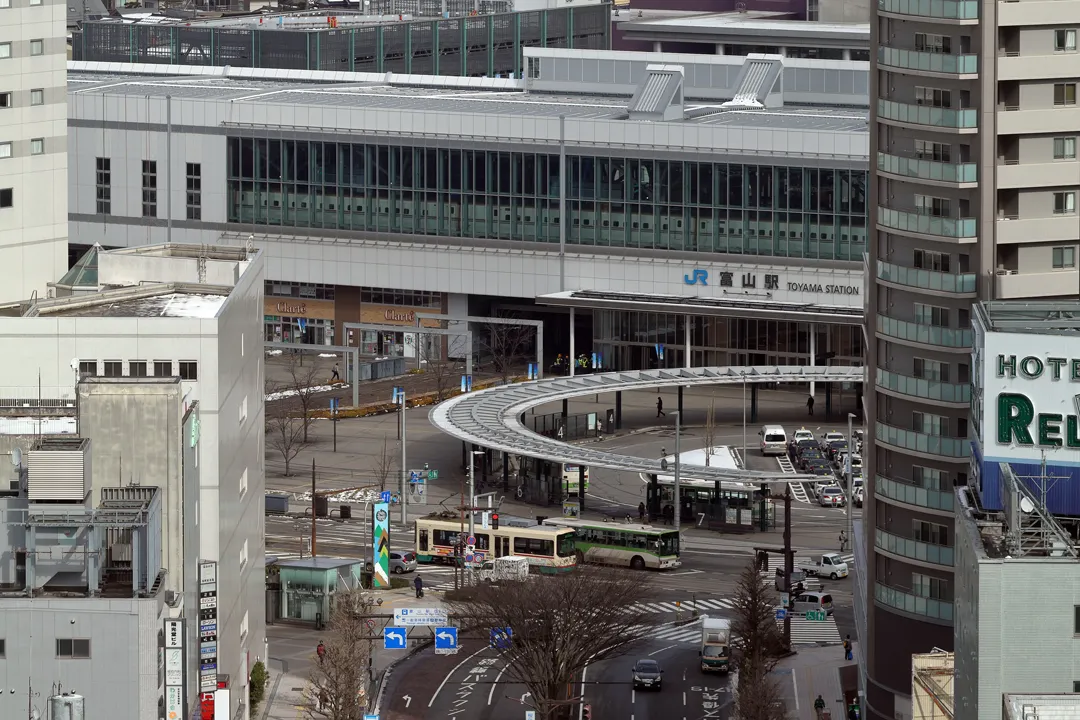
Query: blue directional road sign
[[395, 638], [371, 717], [385, 496], [781, 613], [501, 637], [446, 638]]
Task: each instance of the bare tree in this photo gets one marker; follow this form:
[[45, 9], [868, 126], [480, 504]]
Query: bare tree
[[442, 372], [285, 433], [710, 431], [757, 697], [383, 465], [339, 680], [300, 385], [560, 625], [507, 344]]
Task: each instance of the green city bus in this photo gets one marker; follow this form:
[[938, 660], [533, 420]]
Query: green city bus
[[625, 544]]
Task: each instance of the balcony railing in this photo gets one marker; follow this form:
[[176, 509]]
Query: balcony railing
[[926, 279], [943, 9], [922, 442], [917, 222], [912, 494], [914, 604], [927, 115], [928, 61], [924, 334], [906, 547], [928, 169], [919, 387]]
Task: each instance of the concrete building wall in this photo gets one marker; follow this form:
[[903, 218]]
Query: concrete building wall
[[33, 137], [119, 680]]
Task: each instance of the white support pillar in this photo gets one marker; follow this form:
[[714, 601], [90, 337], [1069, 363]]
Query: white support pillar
[[573, 353], [813, 353], [657, 46], [687, 320], [847, 54], [783, 51], [721, 49]]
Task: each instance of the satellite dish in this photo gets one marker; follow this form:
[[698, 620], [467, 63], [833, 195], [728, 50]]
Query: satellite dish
[[16, 457], [1026, 505]]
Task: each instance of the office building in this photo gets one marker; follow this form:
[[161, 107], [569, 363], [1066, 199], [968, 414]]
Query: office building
[[672, 218], [33, 146], [192, 313]]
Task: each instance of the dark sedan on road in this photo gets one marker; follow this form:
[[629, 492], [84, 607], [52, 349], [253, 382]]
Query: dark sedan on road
[[647, 674]]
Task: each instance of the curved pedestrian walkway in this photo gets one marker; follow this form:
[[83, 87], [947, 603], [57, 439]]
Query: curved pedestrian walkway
[[492, 418]]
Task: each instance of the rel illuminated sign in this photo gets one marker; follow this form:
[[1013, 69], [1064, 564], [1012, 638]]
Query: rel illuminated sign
[[1018, 423]]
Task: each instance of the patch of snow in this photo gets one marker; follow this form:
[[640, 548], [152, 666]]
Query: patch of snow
[[366, 495], [327, 355], [34, 426], [293, 392], [187, 305], [273, 352]]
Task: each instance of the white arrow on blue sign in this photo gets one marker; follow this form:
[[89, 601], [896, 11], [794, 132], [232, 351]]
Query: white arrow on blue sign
[[781, 613], [394, 638], [446, 638]]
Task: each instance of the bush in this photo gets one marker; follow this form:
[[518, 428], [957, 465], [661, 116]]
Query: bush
[[257, 683], [396, 583]]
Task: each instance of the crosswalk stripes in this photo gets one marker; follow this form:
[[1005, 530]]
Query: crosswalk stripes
[[798, 489], [686, 606], [803, 632]]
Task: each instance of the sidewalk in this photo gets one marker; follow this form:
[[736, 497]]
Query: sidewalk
[[815, 671], [292, 653]]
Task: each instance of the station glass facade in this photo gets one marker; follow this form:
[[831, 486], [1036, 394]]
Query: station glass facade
[[766, 210]]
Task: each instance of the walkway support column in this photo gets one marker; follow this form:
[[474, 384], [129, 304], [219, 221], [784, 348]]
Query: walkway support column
[[813, 353], [573, 352], [680, 399], [687, 320], [828, 400], [618, 410], [506, 472], [581, 486], [753, 403]]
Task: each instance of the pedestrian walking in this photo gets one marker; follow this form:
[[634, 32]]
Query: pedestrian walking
[[659, 406], [641, 511], [320, 651], [810, 404], [335, 376], [847, 648], [843, 540], [819, 705], [418, 583]]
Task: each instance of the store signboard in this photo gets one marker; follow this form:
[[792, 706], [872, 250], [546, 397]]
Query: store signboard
[[208, 618], [175, 686]]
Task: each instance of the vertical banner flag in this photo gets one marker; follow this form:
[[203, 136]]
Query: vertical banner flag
[[380, 527]]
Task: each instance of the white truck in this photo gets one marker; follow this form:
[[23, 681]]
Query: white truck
[[504, 569], [715, 645], [829, 565]]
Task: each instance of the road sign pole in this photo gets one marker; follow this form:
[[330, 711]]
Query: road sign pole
[[404, 470]]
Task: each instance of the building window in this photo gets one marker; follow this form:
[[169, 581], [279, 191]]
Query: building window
[[5, 4], [929, 260], [6, 198], [3, 643], [37, 96], [1065, 40], [37, 146], [87, 368], [243, 482], [1076, 686], [931, 370], [243, 412], [114, 368], [925, 42], [1064, 93], [928, 587], [137, 368], [1064, 257], [930, 205], [929, 532], [931, 315], [5, 150], [1064, 202], [928, 478], [5, 100], [149, 188], [934, 97], [5, 50], [534, 68], [244, 625], [76, 648], [35, 2], [163, 368], [1064, 148], [103, 179], [189, 370], [37, 47], [930, 424], [244, 554], [1076, 619], [194, 191]]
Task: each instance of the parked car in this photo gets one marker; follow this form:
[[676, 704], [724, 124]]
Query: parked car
[[857, 500], [402, 562], [833, 436], [647, 674], [831, 496]]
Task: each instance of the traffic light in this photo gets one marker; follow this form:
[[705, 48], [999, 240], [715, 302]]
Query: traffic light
[[494, 521], [586, 712]]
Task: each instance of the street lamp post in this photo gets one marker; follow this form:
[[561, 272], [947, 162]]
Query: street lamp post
[[678, 447], [743, 420], [404, 468], [472, 492]]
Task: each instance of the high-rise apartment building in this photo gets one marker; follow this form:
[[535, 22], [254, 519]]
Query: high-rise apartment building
[[973, 132], [33, 145]]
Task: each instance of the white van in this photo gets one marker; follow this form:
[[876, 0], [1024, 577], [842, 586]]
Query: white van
[[773, 440]]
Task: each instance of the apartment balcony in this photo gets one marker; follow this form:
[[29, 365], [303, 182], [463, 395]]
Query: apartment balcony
[[1041, 67], [934, 227], [913, 333], [963, 12], [951, 393], [913, 494], [913, 604], [963, 121], [1037, 12], [913, 549], [923, 443], [1015, 120], [1015, 230], [1033, 175], [1052, 283], [953, 174], [928, 62], [938, 282]]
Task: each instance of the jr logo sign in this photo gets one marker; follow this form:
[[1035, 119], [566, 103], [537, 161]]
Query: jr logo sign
[[699, 276]]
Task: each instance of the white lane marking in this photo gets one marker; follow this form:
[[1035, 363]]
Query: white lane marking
[[662, 650], [684, 698], [491, 692], [449, 674], [633, 697]]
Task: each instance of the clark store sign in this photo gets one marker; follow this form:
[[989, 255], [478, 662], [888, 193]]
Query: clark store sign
[[828, 286], [1030, 412]]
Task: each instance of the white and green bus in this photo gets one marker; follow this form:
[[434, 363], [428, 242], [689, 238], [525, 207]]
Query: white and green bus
[[548, 549], [626, 544]]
